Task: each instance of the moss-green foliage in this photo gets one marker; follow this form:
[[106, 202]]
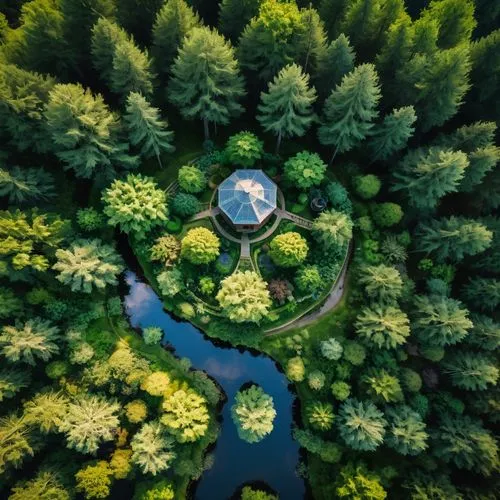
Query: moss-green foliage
[[288, 249], [136, 205], [305, 170], [200, 246], [244, 148], [191, 179], [244, 297], [253, 414], [185, 205], [367, 186]]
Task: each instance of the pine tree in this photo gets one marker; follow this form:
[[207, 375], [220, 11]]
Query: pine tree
[[427, 174], [137, 17], [272, 38], [206, 82], [16, 440], [406, 431], [455, 19], [485, 78], [452, 238], [234, 15], [286, 107], [131, 70], [85, 132], [482, 293], [425, 36], [311, 43], [470, 370], [105, 37], [387, 327], [79, 17], [335, 62], [173, 22], [435, 84], [465, 443], [146, 129], [439, 321], [332, 13], [393, 133], [383, 284], [485, 333], [350, 109], [23, 96], [25, 185]]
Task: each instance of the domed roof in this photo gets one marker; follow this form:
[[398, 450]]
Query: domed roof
[[247, 196]]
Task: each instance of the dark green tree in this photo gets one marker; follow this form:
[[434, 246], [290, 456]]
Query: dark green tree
[[286, 107], [173, 22], [137, 17], [393, 133], [471, 370], [452, 237], [406, 431], [206, 82], [350, 109], [312, 42], [425, 175], [332, 13], [334, 62], [234, 15], [482, 293], [146, 129]]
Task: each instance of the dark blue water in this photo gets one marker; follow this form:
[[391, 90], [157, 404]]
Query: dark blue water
[[274, 459]]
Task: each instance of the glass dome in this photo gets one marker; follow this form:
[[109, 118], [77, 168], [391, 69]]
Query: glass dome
[[247, 196]]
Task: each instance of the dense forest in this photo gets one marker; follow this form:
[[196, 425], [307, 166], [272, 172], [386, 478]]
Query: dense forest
[[375, 285]]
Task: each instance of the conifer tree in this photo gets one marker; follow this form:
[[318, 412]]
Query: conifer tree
[[470, 370], [105, 36], [482, 293], [381, 283], [334, 62], [350, 109], [272, 38], [393, 133], [425, 175], [131, 70], [206, 82], [85, 132], [79, 17], [234, 15], [146, 129], [439, 321], [311, 41], [406, 432], [452, 238], [173, 22], [435, 84], [286, 107], [332, 13], [455, 19], [23, 185], [485, 78], [23, 96], [137, 18]]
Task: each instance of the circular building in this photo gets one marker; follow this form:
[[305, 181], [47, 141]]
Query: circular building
[[247, 198]]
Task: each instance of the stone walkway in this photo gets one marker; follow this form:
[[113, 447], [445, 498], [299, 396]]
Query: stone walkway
[[209, 212], [334, 297]]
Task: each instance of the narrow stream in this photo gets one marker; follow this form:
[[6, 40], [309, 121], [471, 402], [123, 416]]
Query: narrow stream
[[274, 459]]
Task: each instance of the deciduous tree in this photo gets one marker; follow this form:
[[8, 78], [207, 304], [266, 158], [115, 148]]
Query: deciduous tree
[[305, 170], [200, 246], [288, 249]]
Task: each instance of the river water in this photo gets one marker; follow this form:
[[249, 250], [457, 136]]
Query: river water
[[274, 459]]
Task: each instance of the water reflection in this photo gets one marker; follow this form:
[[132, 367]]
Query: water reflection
[[272, 460]]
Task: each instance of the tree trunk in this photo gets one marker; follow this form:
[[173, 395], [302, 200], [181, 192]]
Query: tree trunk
[[206, 129], [309, 41], [278, 143], [159, 160], [333, 156]]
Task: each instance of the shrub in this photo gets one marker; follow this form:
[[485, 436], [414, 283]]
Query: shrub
[[200, 246], [367, 186], [174, 225], [411, 380], [166, 249], [316, 380], [308, 279], [288, 249], [295, 369], [387, 214], [152, 335], [191, 179], [280, 290], [244, 148], [338, 197], [89, 219], [171, 282], [156, 383], [340, 390], [136, 411], [186, 310], [185, 205], [331, 349], [355, 353], [206, 285], [305, 170], [320, 415]]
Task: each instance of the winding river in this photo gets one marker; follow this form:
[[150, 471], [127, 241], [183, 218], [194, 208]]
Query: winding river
[[274, 459]]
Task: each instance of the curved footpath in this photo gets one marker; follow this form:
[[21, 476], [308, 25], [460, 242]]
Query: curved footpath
[[334, 297]]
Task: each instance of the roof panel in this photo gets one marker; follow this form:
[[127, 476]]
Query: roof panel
[[247, 196]]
